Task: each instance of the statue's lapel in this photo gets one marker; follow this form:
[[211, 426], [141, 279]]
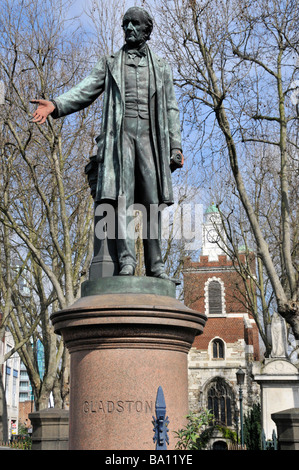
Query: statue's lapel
[[115, 64], [156, 73]]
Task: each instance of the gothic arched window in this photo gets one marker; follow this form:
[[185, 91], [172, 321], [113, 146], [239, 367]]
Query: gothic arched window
[[220, 401], [215, 297], [218, 349]]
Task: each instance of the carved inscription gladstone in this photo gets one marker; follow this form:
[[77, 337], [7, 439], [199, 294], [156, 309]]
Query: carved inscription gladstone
[[117, 406]]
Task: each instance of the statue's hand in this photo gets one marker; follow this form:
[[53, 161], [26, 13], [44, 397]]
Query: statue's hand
[[176, 160], [43, 110]]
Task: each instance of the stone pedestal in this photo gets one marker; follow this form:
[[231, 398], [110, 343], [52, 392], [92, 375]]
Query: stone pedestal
[[279, 382], [126, 337], [50, 429], [287, 423]]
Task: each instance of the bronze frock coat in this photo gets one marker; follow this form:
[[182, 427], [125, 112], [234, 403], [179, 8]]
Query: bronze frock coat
[[108, 76]]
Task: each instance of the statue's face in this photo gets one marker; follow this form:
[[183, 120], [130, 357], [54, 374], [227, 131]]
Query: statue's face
[[135, 28]]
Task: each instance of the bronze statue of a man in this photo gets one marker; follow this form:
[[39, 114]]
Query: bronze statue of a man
[[140, 133]]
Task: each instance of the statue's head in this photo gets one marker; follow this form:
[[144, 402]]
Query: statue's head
[[137, 25]]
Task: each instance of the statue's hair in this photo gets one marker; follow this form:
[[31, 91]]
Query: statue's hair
[[147, 18]]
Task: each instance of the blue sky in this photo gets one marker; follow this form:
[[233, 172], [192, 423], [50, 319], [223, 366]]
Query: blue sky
[[79, 6]]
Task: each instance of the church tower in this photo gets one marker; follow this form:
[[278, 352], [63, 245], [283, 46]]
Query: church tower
[[212, 234], [230, 338]]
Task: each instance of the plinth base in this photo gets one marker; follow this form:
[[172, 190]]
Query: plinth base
[[123, 346]]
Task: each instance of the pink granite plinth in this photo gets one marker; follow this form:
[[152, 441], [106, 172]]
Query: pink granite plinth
[[122, 348]]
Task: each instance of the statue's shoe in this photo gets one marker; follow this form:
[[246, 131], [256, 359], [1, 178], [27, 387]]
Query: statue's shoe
[[163, 276], [127, 270]]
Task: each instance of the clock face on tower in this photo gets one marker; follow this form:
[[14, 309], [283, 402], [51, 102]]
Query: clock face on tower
[[213, 236]]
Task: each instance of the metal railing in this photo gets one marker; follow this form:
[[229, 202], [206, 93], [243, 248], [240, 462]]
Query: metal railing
[[269, 444]]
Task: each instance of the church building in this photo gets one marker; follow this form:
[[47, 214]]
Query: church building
[[230, 339]]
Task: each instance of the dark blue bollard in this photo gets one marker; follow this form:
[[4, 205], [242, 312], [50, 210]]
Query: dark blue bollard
[[160, 422]]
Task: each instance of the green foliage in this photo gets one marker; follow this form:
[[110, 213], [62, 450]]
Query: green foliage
[[227, 433], [22, 430], [189, 437], [252, 428], [199, 430]]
